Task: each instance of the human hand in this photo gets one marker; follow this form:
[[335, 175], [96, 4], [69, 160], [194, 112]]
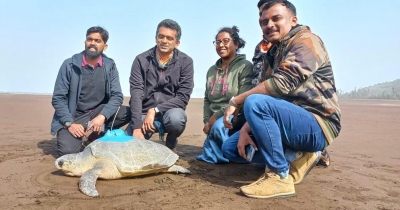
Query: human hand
[[76, 130], [206, 128], [244, 139], [97, 123], [138, 133], [228, 112], [148, 122]]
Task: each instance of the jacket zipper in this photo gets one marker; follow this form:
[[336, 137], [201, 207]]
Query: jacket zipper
[[158, 92]]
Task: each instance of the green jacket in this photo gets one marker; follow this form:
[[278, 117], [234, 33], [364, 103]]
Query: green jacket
[[299, 70], [222, 84]]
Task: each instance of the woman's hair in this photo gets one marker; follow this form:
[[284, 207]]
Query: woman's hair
[[234, 33]]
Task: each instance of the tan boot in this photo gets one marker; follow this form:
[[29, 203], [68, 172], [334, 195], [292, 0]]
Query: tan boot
[[270, 185], [302, 166]]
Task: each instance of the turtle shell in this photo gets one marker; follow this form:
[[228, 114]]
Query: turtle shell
[[134, 157]]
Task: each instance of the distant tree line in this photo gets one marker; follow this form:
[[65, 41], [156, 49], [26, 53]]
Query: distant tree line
[[386, 90]]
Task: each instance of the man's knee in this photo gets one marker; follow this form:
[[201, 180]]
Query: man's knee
[[67, 144], [175, 119], [258, 103], [256, 99], [65, 150]]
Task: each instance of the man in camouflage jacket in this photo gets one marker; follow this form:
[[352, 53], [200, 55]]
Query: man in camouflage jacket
[[296, 107]]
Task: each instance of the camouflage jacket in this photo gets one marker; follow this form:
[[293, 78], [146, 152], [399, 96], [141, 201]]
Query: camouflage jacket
[[258, 60], [298, 69], [257, 65]]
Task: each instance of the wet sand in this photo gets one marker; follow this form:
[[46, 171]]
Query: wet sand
[[364, 170]]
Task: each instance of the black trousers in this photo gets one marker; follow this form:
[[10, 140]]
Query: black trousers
[[174, 123], [68, 144]]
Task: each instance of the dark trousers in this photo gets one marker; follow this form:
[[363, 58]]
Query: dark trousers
[[67, 144], [173, 122]]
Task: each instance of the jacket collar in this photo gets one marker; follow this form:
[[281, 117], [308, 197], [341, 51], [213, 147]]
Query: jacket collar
[[77, 59], [294, 31], [272, 52], [152, 55]]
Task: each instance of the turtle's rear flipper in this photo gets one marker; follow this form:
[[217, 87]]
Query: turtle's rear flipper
[[178, 169]]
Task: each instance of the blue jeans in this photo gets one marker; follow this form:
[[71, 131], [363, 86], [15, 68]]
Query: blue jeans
[[276, 125], [212, 152]]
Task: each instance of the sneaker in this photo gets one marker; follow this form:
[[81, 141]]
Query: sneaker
[[270, 185], [325, 159], [300, 168], [267, 170]]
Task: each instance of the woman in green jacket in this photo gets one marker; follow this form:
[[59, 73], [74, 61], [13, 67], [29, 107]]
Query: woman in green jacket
[[231, 75]]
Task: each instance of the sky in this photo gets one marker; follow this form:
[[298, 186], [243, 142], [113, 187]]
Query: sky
[[362, 37]]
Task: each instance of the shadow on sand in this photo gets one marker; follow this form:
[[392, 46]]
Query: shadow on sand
[[49, 147]]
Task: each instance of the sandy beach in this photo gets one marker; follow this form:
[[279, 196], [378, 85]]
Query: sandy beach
[[364, 170]]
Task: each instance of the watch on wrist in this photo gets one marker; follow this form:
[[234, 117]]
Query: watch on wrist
[[156, 109], [67, 124], [232, 102]]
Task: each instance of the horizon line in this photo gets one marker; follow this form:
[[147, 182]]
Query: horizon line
[[43, 94]]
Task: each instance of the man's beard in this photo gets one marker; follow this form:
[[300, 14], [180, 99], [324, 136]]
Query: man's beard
[[92, 54]]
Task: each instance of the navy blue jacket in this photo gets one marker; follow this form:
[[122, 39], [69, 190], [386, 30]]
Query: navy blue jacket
[[68, 87], [165, 89]]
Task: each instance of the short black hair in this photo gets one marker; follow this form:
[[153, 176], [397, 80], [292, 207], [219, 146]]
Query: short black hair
[[171, 24], [262, 2], [234, 33], [285, 3], [97, 29]]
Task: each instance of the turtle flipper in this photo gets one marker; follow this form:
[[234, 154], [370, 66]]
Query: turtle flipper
[[87, 183], [103, 169], [178, 169]]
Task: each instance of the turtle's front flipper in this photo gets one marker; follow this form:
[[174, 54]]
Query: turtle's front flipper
[[87, 183], [103, 169], [178, 169]]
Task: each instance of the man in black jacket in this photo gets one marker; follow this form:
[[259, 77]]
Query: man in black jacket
[[161, 83], [87, 89]]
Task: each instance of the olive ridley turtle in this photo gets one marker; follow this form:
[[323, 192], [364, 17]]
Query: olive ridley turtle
[[108, 159]]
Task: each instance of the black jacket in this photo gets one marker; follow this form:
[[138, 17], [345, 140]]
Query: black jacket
[[165, 89]]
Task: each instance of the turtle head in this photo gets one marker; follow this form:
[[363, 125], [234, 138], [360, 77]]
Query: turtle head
[[68, 164]]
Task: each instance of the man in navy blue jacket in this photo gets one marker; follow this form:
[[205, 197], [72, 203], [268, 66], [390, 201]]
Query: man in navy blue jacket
[[161, 83], [87, 89]]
